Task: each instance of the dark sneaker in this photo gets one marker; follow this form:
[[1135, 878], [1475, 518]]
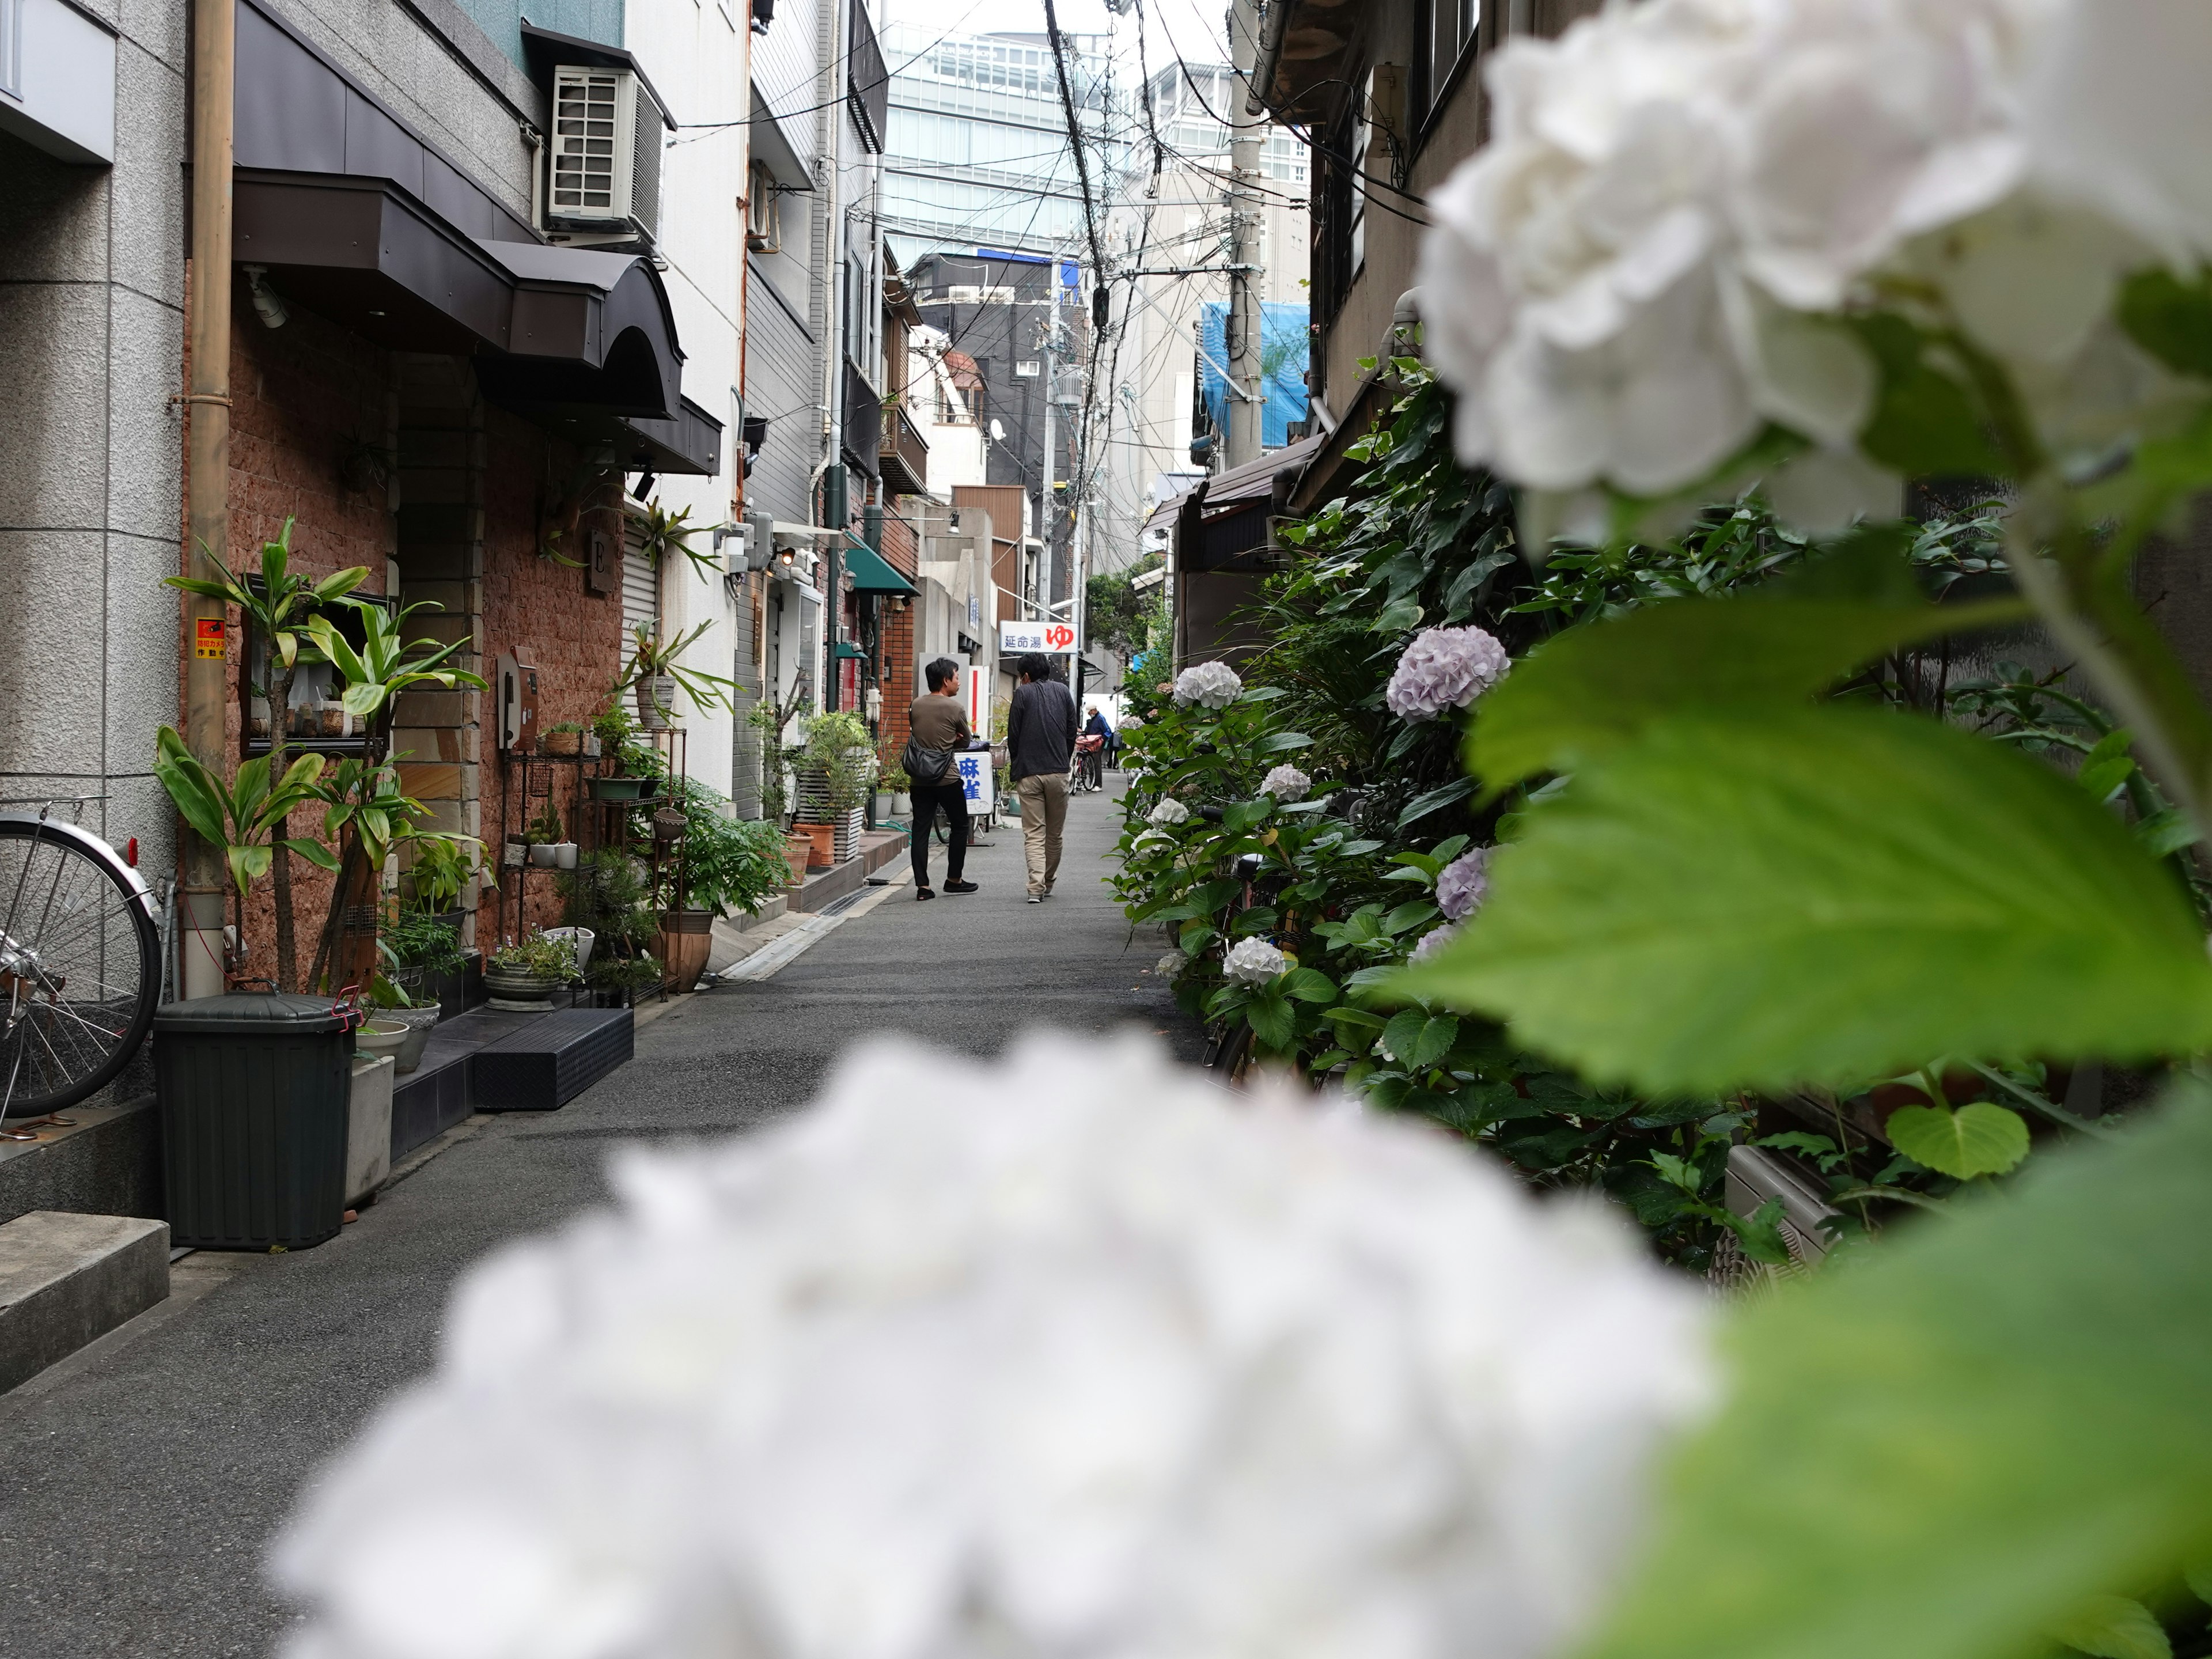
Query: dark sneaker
[[960, 887], [923, 893]]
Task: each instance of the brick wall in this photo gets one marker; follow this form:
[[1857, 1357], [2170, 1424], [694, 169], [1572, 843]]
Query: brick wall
[[311, 411], [896, 628], [543, 612]]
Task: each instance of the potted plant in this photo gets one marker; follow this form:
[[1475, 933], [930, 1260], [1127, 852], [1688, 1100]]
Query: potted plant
[[544, 834], [442, 869], [617, 981], [606, 898], [892, 796], [638, 765], [657, 673], [729, 864], [420, 955], [563, 741], [840, 768], [522, 978]]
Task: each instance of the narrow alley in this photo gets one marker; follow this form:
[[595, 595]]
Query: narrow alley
[[141, 1479]]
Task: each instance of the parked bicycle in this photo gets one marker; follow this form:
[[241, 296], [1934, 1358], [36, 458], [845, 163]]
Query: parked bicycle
[[80, 962], [1086, 767]]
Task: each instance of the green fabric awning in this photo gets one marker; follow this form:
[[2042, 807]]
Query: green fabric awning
[[871, 574]]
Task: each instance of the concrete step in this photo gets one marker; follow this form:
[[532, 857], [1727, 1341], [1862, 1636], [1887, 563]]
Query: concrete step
[[65, 1280]]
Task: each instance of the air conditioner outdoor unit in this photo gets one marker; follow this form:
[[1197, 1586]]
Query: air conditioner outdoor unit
[[763, 214], [604, 156]]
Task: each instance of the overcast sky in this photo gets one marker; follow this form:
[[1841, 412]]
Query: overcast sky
[[1197, 29]]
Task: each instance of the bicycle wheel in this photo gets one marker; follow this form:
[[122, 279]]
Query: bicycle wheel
[[80, 966]]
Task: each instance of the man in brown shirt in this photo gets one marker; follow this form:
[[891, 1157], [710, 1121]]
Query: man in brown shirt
[[937, 721]]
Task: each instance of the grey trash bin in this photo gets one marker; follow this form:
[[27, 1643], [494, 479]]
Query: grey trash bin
[[253, 1088]]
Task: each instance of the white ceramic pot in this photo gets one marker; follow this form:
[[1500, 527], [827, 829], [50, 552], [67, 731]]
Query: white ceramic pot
[[582, 938], [564, 855], [418, 1022], [884, 806], [902, 805], [544, 855], [381, 1036], [656, 699]]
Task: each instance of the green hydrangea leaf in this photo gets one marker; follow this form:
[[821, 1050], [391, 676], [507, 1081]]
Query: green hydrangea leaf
[[1592, 688], [1944, 1452], [1979, 1140], [2113, 1627], [1823, 896], [2169, 318]]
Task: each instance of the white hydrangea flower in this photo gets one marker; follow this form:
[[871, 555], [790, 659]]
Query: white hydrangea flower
[[1444, 668], [1286, 783], [1169, 810], [1208, 684], [1150, 843], [1431, 942], [1648, 260], [1254, 962], [1170, 964], [1462, 884], [1090, 1361]]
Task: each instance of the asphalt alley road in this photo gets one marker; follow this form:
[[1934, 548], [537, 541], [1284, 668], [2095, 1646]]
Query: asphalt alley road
[[140, 1481]]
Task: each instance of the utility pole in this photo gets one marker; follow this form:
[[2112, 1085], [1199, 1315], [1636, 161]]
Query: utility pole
[[1246, 132], [1047, 374]]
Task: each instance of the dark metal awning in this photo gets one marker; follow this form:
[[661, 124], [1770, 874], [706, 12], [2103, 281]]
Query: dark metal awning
[[356, 216], [871, 572]]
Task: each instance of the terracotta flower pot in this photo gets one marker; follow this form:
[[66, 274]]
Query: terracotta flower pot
[[798, 849], [686, 938], [564, 743], [823, 852]]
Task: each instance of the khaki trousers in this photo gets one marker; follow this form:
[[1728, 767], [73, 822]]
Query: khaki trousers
[[1044, 813]]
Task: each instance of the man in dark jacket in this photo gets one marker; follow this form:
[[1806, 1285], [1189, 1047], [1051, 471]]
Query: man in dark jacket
[[1040, 737]]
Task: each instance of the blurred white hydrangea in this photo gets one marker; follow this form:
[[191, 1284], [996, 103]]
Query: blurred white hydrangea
[[1461, 885], [1254, 962], [1208, 684], [1286, 783], [1090, 1360], [1444, 668], [1169, 810], [1647, 261], [1152, 843], [1170, 964], [1431, 942]]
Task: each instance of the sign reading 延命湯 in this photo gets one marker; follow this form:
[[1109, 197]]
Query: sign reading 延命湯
[[1050, 637]]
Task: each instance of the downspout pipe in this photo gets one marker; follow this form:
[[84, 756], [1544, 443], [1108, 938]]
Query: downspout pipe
[[207, 475], [1274, 16]]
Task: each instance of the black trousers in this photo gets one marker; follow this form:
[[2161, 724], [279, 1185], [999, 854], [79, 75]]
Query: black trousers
[[927, 800]]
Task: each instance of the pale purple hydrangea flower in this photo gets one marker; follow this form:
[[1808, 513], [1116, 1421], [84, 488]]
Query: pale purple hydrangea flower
[[1208, 684], [1462, 883], [1286, 783], [1445, 668], [1254, 962], [1433, 941]]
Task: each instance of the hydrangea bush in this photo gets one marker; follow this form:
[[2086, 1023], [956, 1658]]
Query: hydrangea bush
[[1444, 668], [1208, 685], [1090, 1360]]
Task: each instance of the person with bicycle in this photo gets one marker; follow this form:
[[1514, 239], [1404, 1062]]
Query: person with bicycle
[[938, 729], [1041, 731]]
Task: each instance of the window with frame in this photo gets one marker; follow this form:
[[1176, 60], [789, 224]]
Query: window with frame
[[1443, 39], [318, 724]]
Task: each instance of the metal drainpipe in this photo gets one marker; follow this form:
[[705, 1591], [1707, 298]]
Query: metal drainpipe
[[207, 478]]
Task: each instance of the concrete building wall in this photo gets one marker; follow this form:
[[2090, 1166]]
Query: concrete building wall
[[91, 447]]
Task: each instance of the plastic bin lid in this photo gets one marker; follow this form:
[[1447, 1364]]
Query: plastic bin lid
[[244, 1012]]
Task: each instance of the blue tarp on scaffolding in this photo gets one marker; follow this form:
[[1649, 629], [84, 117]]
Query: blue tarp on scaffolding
[[1283, 339]]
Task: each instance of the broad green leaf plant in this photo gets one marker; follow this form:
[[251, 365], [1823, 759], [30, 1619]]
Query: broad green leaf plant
[[283, 604]]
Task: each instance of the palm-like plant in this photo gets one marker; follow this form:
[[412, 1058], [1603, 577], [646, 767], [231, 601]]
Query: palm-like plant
[[244, 817], [365, 808], [662, 533], [653, 658], [284, 608]]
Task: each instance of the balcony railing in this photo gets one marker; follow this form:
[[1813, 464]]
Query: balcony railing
[[905, 453]]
